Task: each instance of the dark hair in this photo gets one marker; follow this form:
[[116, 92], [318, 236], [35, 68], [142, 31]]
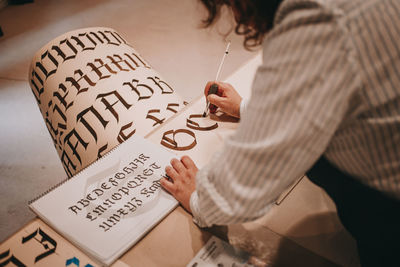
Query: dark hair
[[254, 18]]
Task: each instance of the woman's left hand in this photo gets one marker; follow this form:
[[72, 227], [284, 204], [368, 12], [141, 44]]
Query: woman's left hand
[[183, 180]]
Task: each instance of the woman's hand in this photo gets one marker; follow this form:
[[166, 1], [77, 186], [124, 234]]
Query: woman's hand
[[228, 100], [183, 180]]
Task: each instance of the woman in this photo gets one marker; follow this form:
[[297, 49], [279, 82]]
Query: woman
[[325, 100]]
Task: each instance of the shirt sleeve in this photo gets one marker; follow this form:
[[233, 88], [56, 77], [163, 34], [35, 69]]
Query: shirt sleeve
[[243, 105], [299, 97]]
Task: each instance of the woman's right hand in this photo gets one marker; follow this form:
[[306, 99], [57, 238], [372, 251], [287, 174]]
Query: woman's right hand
[[228, 99]]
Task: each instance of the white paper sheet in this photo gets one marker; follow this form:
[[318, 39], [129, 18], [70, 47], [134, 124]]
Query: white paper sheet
[[110, 205]]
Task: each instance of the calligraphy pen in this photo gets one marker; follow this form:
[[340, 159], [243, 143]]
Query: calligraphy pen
[[214, 87]]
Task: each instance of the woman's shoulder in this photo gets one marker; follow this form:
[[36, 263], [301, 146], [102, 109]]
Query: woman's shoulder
[[325, 9]]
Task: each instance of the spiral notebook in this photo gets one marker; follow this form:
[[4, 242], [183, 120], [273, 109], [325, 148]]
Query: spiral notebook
[[110, 205]]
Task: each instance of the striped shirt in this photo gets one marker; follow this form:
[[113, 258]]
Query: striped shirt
[[329, 85]]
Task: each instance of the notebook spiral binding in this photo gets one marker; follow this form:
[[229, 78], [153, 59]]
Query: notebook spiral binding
[[76, 175]]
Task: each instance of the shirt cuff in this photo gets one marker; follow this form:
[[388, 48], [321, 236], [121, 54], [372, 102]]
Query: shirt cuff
[[243, 105], [194, 207]]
